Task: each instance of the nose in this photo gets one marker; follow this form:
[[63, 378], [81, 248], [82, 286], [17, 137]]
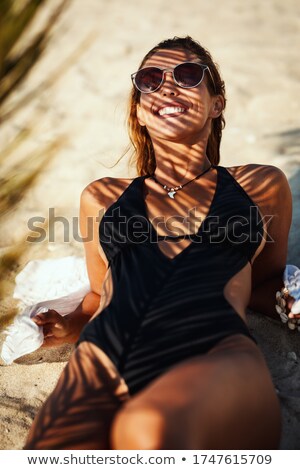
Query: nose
[[168, 86]]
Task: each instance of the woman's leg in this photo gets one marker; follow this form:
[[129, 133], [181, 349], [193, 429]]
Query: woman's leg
[[78, 413], [222, 400]]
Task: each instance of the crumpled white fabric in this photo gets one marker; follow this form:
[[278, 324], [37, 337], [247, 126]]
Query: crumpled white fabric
[[291, 279], [58, 284]]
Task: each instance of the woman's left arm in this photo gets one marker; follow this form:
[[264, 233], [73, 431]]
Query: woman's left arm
[[273, 196]]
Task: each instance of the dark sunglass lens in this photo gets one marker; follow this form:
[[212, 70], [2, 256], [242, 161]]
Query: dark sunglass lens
[[148, 79], [188, 75]]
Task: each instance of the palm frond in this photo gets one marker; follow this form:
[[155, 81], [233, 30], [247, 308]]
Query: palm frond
[[15, 67], [14, 22], [20, 172]]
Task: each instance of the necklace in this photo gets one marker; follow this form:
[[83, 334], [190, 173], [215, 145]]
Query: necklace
[[173, 190]]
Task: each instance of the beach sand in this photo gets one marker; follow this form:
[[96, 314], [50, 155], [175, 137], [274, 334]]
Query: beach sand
[[256, 46]]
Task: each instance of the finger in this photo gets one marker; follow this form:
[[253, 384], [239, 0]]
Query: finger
[[51, 316], [294, 315], [38, 321]]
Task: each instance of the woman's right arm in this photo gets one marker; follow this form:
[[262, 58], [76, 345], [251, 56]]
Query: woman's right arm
[[57, 329]]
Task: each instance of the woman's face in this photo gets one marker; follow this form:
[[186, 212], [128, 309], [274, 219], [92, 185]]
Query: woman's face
[[174, 113]]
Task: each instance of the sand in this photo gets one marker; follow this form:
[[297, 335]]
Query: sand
[[256, 46]]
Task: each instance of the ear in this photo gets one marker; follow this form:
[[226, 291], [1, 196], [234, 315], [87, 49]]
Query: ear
[[139, 115], [217, 106]]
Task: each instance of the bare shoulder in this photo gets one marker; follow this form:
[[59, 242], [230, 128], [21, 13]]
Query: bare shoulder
[[252, 172], [95, 200], [103, 192], [267, 185]]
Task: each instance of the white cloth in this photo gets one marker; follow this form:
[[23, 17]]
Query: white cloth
[[58, 284]]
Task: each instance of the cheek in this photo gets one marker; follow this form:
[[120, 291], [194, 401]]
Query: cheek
[[199, 111], [200, 97], [144, 110], [139, 115], [199, 100], [141, 111]]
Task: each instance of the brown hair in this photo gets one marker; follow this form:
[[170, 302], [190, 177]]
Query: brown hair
[[143, 152]]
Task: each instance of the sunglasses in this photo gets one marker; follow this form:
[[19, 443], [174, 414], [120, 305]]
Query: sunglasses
[[185, 75]]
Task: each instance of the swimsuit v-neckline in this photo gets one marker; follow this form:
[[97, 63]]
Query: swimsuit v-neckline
[[192, 236]]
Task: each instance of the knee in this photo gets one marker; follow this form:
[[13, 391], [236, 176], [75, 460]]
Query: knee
[[138, 428]]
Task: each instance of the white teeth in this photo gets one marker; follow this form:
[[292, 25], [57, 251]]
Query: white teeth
[[170, 110]]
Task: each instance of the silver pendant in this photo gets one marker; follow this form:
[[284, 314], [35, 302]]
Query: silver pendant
[[172, 194]]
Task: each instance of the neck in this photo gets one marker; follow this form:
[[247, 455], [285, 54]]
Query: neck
[[178, 163]]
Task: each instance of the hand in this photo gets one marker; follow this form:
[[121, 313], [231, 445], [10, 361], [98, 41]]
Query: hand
[[56, 329]]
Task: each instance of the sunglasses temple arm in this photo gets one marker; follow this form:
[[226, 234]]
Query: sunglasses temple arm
[[212, 79]]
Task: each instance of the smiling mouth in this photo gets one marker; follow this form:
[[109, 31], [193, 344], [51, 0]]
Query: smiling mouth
[[171, 111]]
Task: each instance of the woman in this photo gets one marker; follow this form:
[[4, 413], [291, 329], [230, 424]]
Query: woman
[[184, 249]]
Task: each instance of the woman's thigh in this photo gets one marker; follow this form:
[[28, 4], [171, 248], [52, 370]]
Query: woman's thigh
[[78, 413], [224, 399]]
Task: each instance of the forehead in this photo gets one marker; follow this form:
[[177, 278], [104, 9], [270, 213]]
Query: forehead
[[170, 58]]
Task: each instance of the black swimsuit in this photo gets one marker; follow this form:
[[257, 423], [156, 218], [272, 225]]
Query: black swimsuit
[[165, 310]]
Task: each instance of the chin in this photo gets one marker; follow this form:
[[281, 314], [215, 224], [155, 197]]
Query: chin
[[170, 131], [174, 136]]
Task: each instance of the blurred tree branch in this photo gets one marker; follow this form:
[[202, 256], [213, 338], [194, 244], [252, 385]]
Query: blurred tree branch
[[18, 56], [14, 67]]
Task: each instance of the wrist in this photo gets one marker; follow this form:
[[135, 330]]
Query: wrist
[[73, 327]]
